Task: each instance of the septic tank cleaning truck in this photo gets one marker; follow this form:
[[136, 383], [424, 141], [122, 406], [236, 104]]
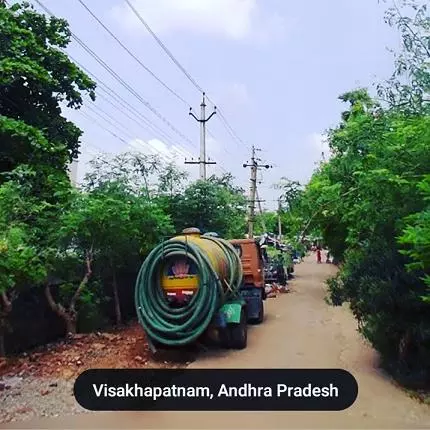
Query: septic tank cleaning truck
[[192, 283]]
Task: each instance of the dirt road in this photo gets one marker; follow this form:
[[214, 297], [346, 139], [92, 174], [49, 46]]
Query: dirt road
[[301, 330]]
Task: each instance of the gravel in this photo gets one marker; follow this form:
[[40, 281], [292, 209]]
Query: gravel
[[24, 399]]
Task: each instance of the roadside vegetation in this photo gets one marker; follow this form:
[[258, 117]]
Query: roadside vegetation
[[69, 256], [371, 205]]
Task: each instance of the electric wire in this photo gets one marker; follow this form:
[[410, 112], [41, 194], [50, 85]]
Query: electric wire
[[164, 47], [106, 28], [118, 78], [126, 105], [186, 73]]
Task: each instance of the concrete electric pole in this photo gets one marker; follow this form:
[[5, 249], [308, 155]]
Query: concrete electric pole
[[203, 120], [263, 224], [279, 219], [253, 190]]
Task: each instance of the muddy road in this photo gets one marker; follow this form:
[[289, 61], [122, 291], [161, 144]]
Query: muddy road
[[300, 330]]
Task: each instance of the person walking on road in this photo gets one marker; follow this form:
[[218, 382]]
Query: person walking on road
[[319, 255]]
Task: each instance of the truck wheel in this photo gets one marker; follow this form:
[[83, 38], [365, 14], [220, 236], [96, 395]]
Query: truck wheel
[[260, 318], [224, 337], [239, 333]]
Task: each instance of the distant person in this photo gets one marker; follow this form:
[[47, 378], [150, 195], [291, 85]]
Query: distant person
[[319, 255], [328, 258]]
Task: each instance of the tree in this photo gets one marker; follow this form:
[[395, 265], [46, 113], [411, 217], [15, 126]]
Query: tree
[[362, 201], [171, 180], [213, 205], [416, 237], [37, 141], [20, 265], [291, 191], [134, 170], [36, 77], [267, 219], [111, 224], [20, 262], [408, 88]]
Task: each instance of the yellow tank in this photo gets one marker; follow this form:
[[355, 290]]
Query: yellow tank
[[179, 277]]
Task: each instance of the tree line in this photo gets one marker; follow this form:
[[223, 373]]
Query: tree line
[[69, 255], [370, 203]]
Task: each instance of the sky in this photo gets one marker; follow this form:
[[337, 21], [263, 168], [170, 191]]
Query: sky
[[273, 68]]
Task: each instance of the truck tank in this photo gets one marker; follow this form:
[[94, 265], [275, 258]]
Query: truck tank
[[183, 283]]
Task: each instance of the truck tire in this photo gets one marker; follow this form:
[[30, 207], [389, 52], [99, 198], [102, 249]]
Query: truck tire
[[239, 333], [224, 337], [260, 318]]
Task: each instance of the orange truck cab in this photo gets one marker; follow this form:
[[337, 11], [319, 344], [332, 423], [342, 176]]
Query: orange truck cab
[[253, 288]]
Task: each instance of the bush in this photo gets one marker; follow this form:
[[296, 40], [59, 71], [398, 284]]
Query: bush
[[387, 302]]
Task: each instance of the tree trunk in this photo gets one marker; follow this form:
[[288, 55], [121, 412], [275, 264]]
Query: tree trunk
[[2, 345], [66, 315], [5, 311], [116, 299], [71, 322], [69, 315]]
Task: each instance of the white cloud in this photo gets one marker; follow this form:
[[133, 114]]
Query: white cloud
[[230, 19], [167, 153]]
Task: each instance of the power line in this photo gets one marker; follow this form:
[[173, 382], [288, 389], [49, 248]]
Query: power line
[[117, 77], [134, 56], [129, 88], [164, 47], [86, 115], [111, 120], [186, 73], [118, 127], [120, 100], [106, 28], [165, 158], [229, 128]]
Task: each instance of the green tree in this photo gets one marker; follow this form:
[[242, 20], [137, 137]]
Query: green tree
[[213, 205], [362, 201], [36, 77], [416, 237], [134, 170], [108, 228], [171, 181], [266, 222], [408, 88], [291, 191]]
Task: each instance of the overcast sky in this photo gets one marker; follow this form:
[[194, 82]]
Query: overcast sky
[[274, 68]]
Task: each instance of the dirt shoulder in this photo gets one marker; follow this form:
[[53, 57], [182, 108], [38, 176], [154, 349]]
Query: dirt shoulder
[[300, 331], [40, 383]]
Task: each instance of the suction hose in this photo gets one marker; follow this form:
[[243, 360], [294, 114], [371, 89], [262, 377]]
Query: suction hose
[[181, 326]]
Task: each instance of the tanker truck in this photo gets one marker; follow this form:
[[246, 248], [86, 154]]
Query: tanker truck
[[194, 283]]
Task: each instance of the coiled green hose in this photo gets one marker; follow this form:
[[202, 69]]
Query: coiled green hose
[[181, 326]]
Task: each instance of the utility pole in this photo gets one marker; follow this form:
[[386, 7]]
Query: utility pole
[[263, 224], [203, 120], [253, 190], [279, 219]]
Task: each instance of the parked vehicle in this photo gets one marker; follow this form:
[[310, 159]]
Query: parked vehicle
[[194, 283]]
